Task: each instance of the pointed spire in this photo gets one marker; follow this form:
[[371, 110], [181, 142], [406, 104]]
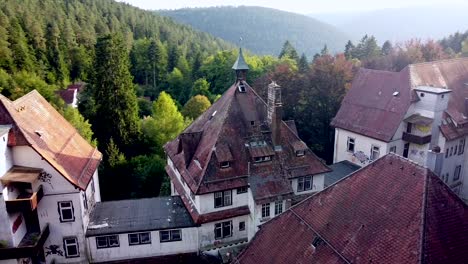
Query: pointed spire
[[240, 63]]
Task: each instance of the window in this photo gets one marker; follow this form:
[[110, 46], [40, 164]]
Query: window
[[375, 153], [241, 88], [409, 128], [461, 146], [304, 183], [107, 241], [85, 201], [66, 211], [265, 210], [351, 143], [393, 149], [446, 153], [223, 198], [241, 226], [451, 151], [456, 174], [223, 229], [252, 123], [455, 150], [242, 190], [278, 207], [422, 94], [70, 245], [406, 150], [300, 153], [139, 238], [262, 159], [170, 235], [93, 188], [225, 164]]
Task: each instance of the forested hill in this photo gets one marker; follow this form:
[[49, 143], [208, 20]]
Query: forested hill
[[54, 39], [264, 30]]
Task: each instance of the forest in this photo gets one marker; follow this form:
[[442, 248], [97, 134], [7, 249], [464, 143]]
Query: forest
[[148, 78]]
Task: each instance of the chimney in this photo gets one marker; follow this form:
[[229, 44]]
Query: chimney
[[275, 112]]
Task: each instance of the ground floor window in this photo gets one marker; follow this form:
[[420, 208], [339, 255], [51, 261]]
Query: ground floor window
[[223, 230], [107, 241], [139, 238], [170, 235], [70, 245]]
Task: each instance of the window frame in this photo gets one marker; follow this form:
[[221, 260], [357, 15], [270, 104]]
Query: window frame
[[107, 239], [374, 149], [225, 164], [241, 190], [266, 210], [61, 208], [225, 201], [349, 143], [171, 234], [139, 237], [278, 207], [222, 226], [302, 180], [461, 146], [300, 153], [66, 245], [242, 226], [456, 173], [85, 201], [393, 149]]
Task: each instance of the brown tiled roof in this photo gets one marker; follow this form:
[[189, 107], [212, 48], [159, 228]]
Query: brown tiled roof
[[392, 211], [67, 95], [370, 109], [227, 125], [37, 124]]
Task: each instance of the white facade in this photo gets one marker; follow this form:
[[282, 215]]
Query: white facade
[[55, 189], [125, 251], [449, 164]]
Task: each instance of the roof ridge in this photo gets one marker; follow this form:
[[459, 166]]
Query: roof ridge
[[438, 61], [423, 220]]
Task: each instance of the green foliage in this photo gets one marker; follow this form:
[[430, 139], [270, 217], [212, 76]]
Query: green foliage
[[196, 106], [202, 87], [80, 123], [114, 94], [144, 107], [147, 174], [303, 64], [288, 51], [165, 124]]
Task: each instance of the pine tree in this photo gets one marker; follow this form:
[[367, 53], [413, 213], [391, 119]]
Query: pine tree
[[5, 52], [289, 51], [303, 64], [325, 51], [349, 49], [387, 48], [22, 58], [114, 94]]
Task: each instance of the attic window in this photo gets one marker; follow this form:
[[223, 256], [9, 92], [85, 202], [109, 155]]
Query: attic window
[[317, 241], [421, 94], [396, 94], [262, 159], [252, 123], [225, 164], [259, 143], [39, 133], [241, 87], [300, 153]]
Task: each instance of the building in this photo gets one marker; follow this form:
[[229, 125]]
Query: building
[[140, 228], [70, 94], [420, 113], [48, 184], [401, 213], [239, 164]]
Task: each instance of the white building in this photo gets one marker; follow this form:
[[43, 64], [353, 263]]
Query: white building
[[48, 184], [239, 165], [420, 113]]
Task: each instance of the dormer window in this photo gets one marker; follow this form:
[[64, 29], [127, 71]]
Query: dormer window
[[262, 159], [241, 87], [300, 153], [225, 164]]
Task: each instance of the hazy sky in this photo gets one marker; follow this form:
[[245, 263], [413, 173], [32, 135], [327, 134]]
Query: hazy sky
[[298, 6]]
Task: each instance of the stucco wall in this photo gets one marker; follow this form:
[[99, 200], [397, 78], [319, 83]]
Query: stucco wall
[[207, 235], [188, 244]]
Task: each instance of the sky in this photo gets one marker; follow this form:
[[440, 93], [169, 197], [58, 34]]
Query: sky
[[297, 6]]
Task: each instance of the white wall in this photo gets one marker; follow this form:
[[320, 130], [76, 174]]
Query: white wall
[[206, 202], [362, 143], [207, 235], [6, 158], [188, 244]]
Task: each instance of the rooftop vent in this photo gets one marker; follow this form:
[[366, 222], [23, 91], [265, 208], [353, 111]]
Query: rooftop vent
[[396, 94], [241, 87], [39, 133], [213, 114]]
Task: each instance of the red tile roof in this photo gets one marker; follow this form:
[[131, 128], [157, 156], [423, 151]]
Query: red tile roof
[[392, 211], [227, 125], [37, 124], [68, 94]]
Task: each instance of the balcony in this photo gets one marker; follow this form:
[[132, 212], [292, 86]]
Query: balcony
[[24, 201], [30, 246], [420, 140]]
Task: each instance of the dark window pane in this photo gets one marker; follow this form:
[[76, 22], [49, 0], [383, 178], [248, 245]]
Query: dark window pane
[[133, 239], [165, 236], [67, 214], [113, 241], [176, 235], [101, 242], [145, 238]]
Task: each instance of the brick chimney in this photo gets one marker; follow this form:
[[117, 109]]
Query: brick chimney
[[275, 112]]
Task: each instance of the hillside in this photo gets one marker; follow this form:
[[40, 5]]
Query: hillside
[[264, 30], [401, 24]]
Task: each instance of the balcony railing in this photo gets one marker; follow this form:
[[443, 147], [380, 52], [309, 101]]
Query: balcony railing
[[420, 140], [25, 202], [30, 245]]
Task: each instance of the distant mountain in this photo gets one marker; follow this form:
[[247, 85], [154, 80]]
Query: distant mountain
[[264, 30], [401, 24]]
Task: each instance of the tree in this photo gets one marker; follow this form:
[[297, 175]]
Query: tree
[[80, 123], [349, 49], [22, 58], [157, 60], [196, 106], [164, 125], [114, 94], [289, 51], [303, 64], [55, 56], [201, 87], [325, 51], [148, 174], [387, 48], [5, 52]]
